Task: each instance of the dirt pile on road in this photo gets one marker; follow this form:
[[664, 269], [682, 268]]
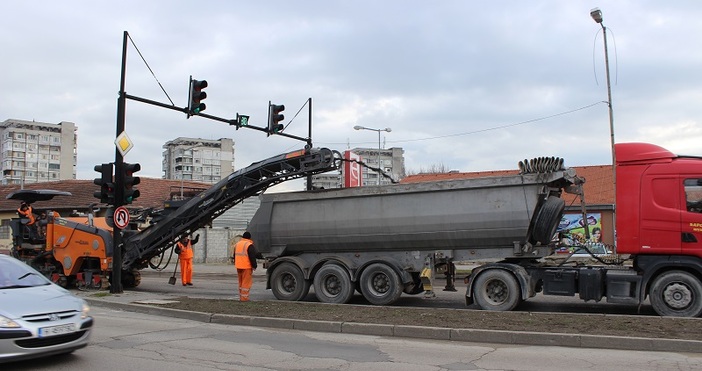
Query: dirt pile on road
[[592, 324]]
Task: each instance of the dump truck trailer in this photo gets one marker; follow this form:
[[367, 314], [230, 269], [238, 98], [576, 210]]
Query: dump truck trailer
[[387, 240], [382, 239]]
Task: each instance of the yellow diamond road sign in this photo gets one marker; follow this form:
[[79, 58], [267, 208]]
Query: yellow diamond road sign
[[123, 143]]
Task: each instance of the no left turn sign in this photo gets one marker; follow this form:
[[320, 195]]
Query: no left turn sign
[[121, 217]]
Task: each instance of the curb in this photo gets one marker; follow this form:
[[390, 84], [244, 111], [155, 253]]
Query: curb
[[421, 332]]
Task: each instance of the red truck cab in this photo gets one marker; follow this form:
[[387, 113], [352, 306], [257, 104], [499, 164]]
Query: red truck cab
[[658, 201]]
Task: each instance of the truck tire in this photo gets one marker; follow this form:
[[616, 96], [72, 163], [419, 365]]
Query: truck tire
[[288, 282], [497, 290], [677, 294], [547, 219], [332, 284], [380, 284]]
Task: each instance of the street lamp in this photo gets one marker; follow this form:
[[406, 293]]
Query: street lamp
[[359, 127], [182, 166], [596, 15]]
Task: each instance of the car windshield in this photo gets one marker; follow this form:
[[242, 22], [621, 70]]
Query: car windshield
[[15, 274]]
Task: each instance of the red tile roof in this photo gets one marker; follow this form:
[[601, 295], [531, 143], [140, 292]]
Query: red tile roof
[[599, 183], [153, 192]]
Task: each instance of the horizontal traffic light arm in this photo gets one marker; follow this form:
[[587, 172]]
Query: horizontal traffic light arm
[[204, 115]]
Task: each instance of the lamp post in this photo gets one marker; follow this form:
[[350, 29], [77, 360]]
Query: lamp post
[[596, 15], [359, 127], [181, 168]]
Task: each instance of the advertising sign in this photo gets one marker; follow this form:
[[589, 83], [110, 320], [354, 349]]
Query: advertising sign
[[352, 170]]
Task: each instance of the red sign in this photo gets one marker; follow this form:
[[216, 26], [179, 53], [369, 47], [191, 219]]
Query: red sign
[[352, 170], [121, 217]]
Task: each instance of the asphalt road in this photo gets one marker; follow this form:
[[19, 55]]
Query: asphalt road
[[214, 281], [127, 340]]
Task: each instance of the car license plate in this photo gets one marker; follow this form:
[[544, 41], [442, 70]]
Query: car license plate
[[56, 330]]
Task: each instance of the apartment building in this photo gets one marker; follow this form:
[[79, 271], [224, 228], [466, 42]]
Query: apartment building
[[35, 152], [196, 159], [391, 161]]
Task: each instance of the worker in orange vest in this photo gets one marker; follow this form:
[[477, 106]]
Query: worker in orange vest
[[245, 263], [25, 211], [185, 253]]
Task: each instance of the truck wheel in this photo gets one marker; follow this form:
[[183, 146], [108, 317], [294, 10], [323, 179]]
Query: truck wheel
[[546, 222], [497, 290], [380, 285], [332, 284], [288, 283], [677, 294]]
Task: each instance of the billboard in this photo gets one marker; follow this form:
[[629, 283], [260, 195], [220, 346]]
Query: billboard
[[571, 229], [352, 170]]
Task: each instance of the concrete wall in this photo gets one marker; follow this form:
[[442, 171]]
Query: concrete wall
[[215, 245]]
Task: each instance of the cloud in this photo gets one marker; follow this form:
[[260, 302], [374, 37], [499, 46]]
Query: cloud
[[469, 85]]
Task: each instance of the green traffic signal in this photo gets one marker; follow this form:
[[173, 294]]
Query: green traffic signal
[[130, 194], [195, 97], [241, 120], [275, 116]]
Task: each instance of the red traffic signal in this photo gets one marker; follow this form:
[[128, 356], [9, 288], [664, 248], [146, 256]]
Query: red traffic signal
[[106, 194]]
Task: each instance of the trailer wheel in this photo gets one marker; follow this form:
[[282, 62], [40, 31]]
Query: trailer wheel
[[288, 282], [677, 294], [380, 285], [332, 284], [497, 290], [546, 222]]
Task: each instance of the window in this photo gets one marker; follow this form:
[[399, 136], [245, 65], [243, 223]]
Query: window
[[693, 194], [5, 231]]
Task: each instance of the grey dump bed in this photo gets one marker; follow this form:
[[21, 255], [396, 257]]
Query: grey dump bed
[[481, 213]]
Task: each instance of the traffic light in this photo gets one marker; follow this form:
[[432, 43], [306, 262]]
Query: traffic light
[[130, 194], [241, 120], [195, 97], [106, 194], [275, 117]]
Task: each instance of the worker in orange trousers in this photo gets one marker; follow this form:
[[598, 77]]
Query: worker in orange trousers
[[185, 253], [245, 263]]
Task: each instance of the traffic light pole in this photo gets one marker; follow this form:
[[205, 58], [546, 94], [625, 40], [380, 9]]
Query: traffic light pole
[[211, 117], [119, 174], [116, 284]]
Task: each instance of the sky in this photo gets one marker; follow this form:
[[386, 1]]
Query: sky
[[464, 85]]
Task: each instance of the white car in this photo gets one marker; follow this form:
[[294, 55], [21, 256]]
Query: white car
[[37, 317]]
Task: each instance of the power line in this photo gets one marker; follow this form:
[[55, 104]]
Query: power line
[[490, 129], [150, 70]]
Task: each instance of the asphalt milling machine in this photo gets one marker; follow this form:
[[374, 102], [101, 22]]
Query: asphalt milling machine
[[77, 251]]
